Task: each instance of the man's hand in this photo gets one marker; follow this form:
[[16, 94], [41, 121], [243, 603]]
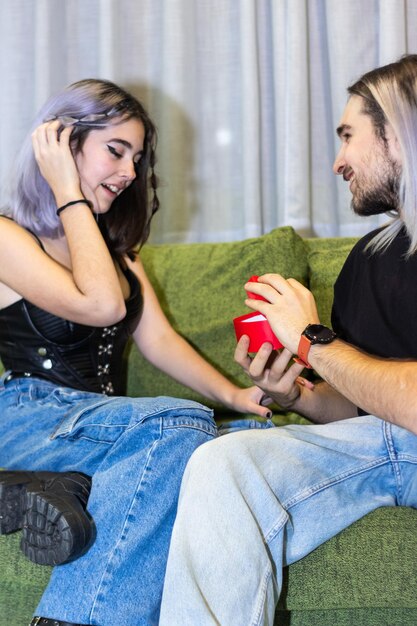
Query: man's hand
[[270, 371], [290, 307]]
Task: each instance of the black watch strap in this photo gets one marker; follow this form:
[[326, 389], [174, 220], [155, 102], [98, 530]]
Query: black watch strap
[[313, 334]]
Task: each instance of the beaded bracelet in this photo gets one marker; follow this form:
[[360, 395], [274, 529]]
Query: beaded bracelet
[[81, 201]]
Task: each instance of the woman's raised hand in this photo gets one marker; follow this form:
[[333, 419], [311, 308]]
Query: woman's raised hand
[[53, 154]]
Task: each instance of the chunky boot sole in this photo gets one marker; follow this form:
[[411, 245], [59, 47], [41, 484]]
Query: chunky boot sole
[[55, 527], [46, 621], [12, 501]]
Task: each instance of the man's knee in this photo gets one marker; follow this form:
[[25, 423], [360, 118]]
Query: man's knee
[[218, 459]]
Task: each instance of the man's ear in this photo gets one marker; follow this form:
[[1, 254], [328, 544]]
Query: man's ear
[[394, 144], [398, 152]]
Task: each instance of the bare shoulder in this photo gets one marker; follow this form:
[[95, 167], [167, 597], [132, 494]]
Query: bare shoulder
[[26, 270], [15, 246], [11, 231], [41, 274], [7, 224]]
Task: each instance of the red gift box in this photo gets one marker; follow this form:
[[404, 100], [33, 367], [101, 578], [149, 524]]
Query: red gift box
[[255, 326]]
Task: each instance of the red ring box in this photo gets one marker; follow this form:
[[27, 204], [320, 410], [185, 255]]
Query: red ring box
[[254, 296], [255, 326]]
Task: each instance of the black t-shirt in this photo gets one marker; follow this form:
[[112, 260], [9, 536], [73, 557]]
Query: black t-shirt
[[375, 299]]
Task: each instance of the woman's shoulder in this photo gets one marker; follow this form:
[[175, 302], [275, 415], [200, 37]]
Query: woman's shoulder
[[7, 222], [9, 228]]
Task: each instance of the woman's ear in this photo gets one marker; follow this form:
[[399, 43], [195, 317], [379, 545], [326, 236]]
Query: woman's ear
[[77, 139]]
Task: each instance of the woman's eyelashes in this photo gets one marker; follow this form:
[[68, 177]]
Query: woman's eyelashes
[[114, 152], [119, 155]]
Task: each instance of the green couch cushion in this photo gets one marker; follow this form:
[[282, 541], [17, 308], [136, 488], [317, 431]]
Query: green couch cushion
[[343, 573], [348, 617], [21, 583], [366, 576], [325, 259], [200, 287]]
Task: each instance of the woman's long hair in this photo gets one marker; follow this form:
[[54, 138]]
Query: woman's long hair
[[89, 104], [389, 96]]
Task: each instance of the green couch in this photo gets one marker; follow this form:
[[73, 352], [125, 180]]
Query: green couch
[[366, 575]]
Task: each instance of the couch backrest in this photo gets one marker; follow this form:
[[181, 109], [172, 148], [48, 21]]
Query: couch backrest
[[325, 258], [201, 290]]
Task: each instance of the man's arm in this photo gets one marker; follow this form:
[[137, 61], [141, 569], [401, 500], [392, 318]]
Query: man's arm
[[323, 404], [382, 387]]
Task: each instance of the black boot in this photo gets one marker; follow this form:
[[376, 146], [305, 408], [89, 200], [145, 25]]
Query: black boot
[[46, 621], [49, 507]]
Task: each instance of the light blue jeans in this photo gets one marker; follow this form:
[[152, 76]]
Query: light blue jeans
[[253, 502], [136, 450]]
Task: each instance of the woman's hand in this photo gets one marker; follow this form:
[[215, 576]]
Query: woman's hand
[[251, 400], [269, 370], [53, 154]]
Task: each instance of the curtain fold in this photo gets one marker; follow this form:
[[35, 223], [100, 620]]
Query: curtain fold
[[246, 95]]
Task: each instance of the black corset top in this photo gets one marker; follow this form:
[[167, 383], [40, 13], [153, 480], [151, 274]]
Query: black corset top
[[40, 344]]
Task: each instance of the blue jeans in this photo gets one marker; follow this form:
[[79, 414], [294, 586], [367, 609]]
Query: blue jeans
[[253, 502], [136, 450]]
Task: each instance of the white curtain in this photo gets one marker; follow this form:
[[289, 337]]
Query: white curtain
[[246, 95]]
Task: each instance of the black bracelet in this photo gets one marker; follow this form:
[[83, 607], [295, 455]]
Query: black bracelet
[[82, 201]]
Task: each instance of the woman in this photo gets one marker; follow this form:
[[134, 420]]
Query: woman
[[72, 291]]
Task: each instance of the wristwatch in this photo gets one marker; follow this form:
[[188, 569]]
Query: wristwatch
[[314, 333]]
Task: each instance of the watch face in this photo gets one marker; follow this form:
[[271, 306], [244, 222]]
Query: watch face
[[317, 333]]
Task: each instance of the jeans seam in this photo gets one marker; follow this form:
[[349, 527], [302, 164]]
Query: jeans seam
[[200, 427], [339, 478], [168, 409], [393, 455], [257, 615], [274, 530], [190, 422], [106, 576]]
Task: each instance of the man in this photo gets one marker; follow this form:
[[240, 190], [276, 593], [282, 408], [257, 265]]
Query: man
[[255, 501]]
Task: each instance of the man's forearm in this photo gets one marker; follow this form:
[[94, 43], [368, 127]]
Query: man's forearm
[[384, 388], [323, 404]]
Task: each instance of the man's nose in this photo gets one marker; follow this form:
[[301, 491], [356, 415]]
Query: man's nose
[[339, 162]]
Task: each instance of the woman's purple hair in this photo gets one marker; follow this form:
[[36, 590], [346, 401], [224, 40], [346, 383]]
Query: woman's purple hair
[[89, 104]]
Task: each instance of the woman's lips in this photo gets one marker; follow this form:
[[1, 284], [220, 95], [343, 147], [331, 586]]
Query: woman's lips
[[113, 190]]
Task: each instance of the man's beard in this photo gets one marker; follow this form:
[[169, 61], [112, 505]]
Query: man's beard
[[382, 195]]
